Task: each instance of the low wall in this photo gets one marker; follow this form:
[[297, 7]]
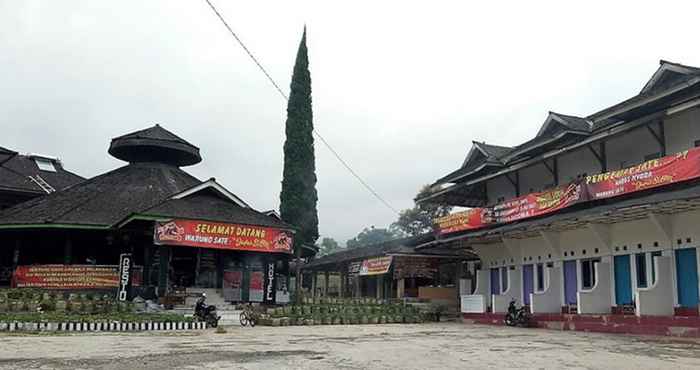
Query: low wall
[[676, 326], [99, 326], [426, 292]]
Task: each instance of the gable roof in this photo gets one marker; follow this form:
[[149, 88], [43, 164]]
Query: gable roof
[[669, 74], [568, 122], [214, 186], [209, 207]]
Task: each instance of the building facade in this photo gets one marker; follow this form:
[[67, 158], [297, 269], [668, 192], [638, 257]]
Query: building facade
[[595, 215], [179, 232]]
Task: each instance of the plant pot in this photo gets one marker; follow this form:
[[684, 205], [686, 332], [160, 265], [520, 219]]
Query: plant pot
[[382, 319], [337, 321], [364, 320], [374, 320]]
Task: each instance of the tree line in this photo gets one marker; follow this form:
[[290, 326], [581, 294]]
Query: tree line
[[411, 222]]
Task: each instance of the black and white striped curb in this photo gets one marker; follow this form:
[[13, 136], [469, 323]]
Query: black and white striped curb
[[100, 326]]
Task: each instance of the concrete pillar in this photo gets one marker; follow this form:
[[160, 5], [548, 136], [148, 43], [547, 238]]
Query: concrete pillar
[[400, 288], [325, 283], [380, 287]]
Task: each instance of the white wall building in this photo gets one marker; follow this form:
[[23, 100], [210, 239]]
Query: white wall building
[[636, 253]]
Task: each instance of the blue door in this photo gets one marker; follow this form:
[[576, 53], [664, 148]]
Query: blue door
[[528, 283], [687, 277], [623, 280], [495, 284], [570, 282]]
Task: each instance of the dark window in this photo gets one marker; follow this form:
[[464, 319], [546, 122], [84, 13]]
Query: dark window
[[540, 277], [651, 156], [504, 279], [641, 263], [588, 272], [697, 143], [653, 265]]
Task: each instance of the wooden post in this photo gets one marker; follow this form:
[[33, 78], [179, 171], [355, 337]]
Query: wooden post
[[147, 255], [314, 283], [341, 294], [15, 255], [68, 251], [163, 269], [326, 282], [299, 275]]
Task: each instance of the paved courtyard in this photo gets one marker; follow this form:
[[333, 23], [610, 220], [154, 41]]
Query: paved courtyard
[[426, 346]]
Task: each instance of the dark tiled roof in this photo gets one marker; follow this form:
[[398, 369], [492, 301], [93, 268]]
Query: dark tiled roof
[[495, 151], [105, 199], [154, 144], [15, 170], [575, 123], [211, 207]]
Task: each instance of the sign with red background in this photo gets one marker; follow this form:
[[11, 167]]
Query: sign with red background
[[205, 234], [667, 170]]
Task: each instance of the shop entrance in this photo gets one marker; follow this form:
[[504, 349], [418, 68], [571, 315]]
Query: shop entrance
[[193, 267]]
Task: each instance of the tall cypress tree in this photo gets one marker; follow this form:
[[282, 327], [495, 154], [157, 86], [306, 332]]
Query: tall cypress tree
[[298, 196]]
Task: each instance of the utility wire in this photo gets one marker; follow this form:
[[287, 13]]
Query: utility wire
[[330, 148]]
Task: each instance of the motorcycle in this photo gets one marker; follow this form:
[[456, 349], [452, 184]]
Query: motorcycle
[[517, 316], [204, 313]]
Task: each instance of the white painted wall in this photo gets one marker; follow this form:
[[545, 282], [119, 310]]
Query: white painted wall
[[597, 299], [548, 301], [657, 299], [514, 291], [681, 130]]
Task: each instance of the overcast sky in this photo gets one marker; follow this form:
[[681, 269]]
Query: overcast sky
[[400, 88]]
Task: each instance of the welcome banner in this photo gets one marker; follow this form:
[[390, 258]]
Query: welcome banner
[[667, 170], [193, 233]]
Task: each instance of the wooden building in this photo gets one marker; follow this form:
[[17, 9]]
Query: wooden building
[[182, 232], [393, 270]]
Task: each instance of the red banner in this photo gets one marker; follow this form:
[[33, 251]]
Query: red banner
[[215, 235], [375, 266], [651, 174], [66, 277]]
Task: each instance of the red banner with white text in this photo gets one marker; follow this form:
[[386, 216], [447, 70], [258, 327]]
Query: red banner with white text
[[205, 234], [667, 170]]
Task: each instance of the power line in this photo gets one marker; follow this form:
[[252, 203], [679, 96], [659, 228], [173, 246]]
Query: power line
[[330, 148]]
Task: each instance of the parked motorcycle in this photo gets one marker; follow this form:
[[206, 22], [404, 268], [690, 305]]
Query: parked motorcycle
[[204, 313], [517, 316]]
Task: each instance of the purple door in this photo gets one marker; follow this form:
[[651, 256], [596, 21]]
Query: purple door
[[495, 284], [528, 283], [570, 282]]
